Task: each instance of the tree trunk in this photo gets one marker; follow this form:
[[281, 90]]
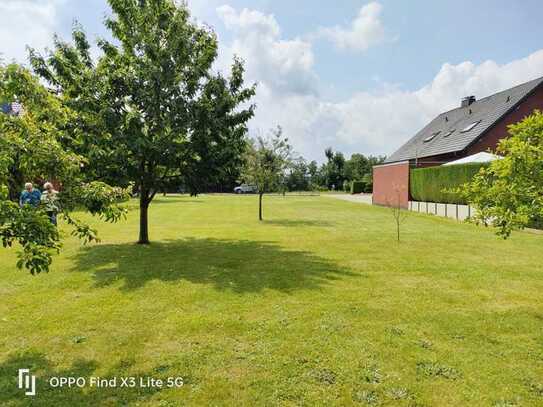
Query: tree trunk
[[260, 206], [15, 184], [144, 219]]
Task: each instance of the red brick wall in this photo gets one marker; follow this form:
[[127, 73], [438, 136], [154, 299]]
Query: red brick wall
[[391, 184], [490, 140]]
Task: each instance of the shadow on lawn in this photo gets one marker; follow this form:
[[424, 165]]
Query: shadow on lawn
[[46, 395], [239, 265]]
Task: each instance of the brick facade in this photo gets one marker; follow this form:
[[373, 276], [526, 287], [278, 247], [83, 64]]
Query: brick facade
[[391, 184]]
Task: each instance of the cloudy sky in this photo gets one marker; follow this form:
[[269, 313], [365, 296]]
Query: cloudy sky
[[355, 75]]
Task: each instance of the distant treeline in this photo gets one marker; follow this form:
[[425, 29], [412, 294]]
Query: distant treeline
[[336, 173]]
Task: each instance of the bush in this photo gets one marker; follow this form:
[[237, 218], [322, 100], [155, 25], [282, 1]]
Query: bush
[[436, 184], [536, 223], [347, 186], [357, 187]]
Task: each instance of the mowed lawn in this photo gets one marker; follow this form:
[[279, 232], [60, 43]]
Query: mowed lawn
[[317, 305]]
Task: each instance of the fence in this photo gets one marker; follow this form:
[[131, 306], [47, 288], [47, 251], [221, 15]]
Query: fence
[[453, 211]]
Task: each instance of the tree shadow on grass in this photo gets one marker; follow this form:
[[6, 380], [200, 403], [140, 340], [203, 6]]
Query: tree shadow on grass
[[46, 395], [238, 265]]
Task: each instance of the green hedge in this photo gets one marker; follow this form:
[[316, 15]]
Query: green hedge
[[357, 187], [431, 184]]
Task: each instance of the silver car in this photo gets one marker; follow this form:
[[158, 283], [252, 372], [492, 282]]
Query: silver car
[[245, 189]]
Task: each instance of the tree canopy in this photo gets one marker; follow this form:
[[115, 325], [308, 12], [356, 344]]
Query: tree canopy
[[266, 161], [35, 146], [509, 193]]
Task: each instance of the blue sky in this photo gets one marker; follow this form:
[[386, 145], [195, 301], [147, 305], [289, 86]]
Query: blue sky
[[425, 35], [355, 75]]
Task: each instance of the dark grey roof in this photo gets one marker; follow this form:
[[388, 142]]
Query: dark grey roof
[[487, 110]]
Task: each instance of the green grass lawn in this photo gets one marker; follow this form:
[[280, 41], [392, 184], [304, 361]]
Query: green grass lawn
[[317, 305]]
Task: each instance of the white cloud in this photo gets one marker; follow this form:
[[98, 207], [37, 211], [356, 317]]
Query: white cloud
[[379, 122], [365, 31], [202, 10], [284, 66], [374, 122], [455, 81], [26, 22]]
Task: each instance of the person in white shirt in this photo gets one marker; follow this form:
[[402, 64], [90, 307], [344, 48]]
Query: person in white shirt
[[49, 200]]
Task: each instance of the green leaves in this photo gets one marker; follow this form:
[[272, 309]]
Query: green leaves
[[81, 230], [43, 144], [34, 232], [509, 194], [101, 199], [266, 161]]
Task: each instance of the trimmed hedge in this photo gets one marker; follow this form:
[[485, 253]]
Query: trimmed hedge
[[431, 184], [357, 187]]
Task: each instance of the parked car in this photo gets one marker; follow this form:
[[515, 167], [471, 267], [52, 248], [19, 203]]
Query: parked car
[[245, 189]]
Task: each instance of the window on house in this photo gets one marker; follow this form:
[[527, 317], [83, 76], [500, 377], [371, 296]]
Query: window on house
[[431, 137], [470, 127], [449, 133]]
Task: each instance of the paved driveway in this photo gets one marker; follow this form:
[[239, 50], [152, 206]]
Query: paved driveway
[[358, 198]]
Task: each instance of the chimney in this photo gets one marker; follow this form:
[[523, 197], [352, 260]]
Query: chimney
[[468, 100]]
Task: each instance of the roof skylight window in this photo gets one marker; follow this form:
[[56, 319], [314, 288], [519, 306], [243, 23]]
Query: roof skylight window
[[431, 137], [470, 127], [449, 133]]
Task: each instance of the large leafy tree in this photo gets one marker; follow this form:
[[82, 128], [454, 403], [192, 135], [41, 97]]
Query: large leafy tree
[[298, 177], [356, 167], [151, 107], [333, 169], [266, 161], [34, 146], [314, 173], [509, 193], [360, 166]]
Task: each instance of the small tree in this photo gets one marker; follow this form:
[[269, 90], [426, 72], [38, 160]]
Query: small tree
[[265, 164], [398, 212], [509, 193]]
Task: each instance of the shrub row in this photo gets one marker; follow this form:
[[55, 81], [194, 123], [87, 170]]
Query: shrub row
[[435, 183], [357, 187]]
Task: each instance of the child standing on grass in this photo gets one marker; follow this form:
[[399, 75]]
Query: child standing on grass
[[49, 201]]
